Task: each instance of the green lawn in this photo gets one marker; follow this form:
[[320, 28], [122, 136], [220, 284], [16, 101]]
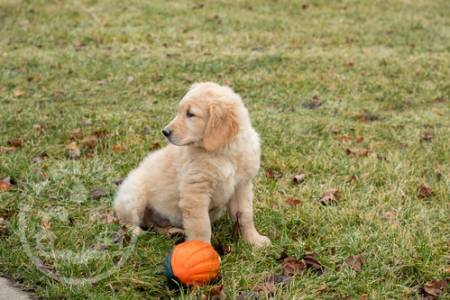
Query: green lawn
[[318, 77]]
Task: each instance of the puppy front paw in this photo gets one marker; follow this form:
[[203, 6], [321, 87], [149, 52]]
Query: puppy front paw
[[259, 241]]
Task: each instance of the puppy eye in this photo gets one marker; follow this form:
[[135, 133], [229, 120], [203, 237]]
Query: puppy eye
[[189, 114]]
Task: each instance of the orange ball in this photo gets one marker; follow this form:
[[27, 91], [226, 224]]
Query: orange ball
[[192, 263]]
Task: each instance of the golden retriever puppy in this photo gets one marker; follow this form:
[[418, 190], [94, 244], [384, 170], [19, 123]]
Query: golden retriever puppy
[[207, 168]]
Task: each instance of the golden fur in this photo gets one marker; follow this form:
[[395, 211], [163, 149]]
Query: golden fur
[[207, 168]]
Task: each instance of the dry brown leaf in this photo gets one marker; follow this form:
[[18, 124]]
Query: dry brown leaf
[[330, 197], [427, 136], [17, 142], [292, 266], [298, 178], [363, 297], [359, 139], [40, 158], [273, 174], [121, 236], [313, 103], [18, 93], [389, 214], [117, 148], [2, 225], [45, 224], [100, 247], [73, 151], [76, 134], [90, 141], [432, 290], [334, 130], [354, 262], [7, 149], [38, 127], [424, 191], [101, 133], [312, 263], [360, 152], [293, 202], [344, 138], [217, 292], [366, 116], [98, 193]]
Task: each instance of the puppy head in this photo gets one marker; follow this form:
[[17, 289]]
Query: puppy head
[[207, 116]]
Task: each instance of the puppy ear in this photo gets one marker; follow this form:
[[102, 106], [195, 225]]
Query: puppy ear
[[222, 126]]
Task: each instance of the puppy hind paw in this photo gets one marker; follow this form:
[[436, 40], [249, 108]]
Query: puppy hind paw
[[259, 241]]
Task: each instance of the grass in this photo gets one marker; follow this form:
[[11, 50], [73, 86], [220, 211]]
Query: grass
[[380, 69]]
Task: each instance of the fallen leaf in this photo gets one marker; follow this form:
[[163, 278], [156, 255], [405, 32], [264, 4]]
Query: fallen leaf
[[121, 236], [117, 148], [283, 279], [58, 95], [432, 290], [359, 139], [264, 288], [38, 127], [283, 255], [334, 130], [312, 262], [313, 103], [76, 134], [198, 6], [98, 193], [330, 197], [216, 292], [89, 141], [101, 133], [2, 225], [86, 123], [17, 142], [292, 266], [424, 191], [40, 158], [427, 136], [73, 151], [367, 117], [100, 247], [18, 93], [363, 297], [109, 218], [45, 224], [247, 295], [273, 174], [389, 214], [298, 178], [7, 149], [344, 138], [293, 202], [354, 262], [357, 151]]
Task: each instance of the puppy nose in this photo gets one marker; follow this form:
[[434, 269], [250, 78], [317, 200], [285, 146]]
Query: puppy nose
[[167, 132]]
